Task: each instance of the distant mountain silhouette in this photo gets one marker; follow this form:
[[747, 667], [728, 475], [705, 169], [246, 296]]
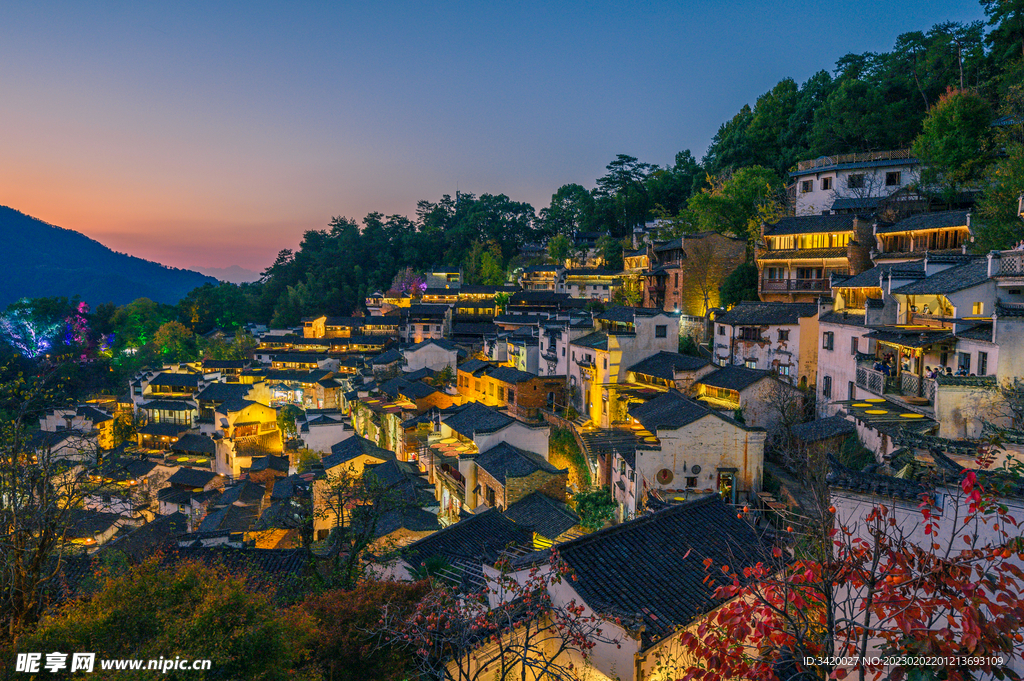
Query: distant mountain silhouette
[[233, 274], [39, 259]]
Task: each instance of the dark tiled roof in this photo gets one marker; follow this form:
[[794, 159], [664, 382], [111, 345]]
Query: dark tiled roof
[[841, 477], [665, 364], [223, 392], [93, 414], [269, 462], [734, 377], [439, 342], [845, 317], [195, 442], [981, 332], [163, 429], [168, 405], [176, 380], [590, 272], [412, 519], [124, 469], [192, 478], [352, 447], [873, 277], [154, 536], [412, 390], [857, 203], [388, 357], [480, 536], [653, 567], [475, 366], [510, 375], [628, 314], [911, 338], [540, 513], [504, 461], [797, 253], [811, 224], [225, 363], [922, 221], [597, 340], [475, 418], [83, 523], [763, 314], [669, 410], [823, 429], [950, 280]]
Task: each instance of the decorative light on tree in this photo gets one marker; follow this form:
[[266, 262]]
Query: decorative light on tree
[[29, 336], [77, 326]]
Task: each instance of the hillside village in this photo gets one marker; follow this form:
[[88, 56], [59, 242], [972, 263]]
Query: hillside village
[[456, 428]]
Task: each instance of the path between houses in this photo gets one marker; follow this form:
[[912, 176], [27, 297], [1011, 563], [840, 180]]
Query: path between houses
[[793, 492]]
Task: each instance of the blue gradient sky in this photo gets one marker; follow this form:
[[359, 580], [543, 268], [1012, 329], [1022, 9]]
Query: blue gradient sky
[[214, 136]]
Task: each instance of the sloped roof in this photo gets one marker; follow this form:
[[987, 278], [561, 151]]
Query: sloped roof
[[734, 377], [504, 461], [653, 567], [510, 375], [873, 277], [845, 317], [764, 314], [474, 366], [806, 253], [923, 221], [175, 380], [665, 364], [597, 340], [473, 418], [823, 429], [388, 357], [168, 405], [195, 442], [624, 313], [951, 280], [269, 462], [540, 513], [669, 410], [480, 536], [439, 342], [191, 477], [353, 447], [223, 392], [811, 224]]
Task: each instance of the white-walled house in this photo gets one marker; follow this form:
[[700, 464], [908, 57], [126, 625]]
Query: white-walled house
[[434, 354], [624, 336], [779, 337], [698, 451], [851, 182]]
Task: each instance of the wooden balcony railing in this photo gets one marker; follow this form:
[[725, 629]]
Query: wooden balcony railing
[[1011, 264], [825, 161], [794, 284]]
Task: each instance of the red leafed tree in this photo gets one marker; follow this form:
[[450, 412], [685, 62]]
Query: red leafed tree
[[508, 626], [948, 584]]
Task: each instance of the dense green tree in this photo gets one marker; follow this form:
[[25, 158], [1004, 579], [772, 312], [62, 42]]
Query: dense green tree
[[737, 204], [741, 284], [999, 226], [954, 144], [571, 211], [193, 611]]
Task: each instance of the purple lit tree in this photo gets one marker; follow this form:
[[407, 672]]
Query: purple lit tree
[[77, 326], [27, 334], [410, 282]]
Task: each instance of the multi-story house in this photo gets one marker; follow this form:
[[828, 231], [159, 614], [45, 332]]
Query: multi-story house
[[589, 283], [521, 393], [420, 321], [623, 336], [555, 337], [541, 277], [779, 337], [848, 183], [796, 256], [935, 234], [690, 450], [686, 274]]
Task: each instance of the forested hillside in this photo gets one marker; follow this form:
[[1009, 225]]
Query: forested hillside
[[42, 260]]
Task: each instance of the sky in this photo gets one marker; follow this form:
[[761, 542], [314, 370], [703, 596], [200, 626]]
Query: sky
[[215, 134]]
